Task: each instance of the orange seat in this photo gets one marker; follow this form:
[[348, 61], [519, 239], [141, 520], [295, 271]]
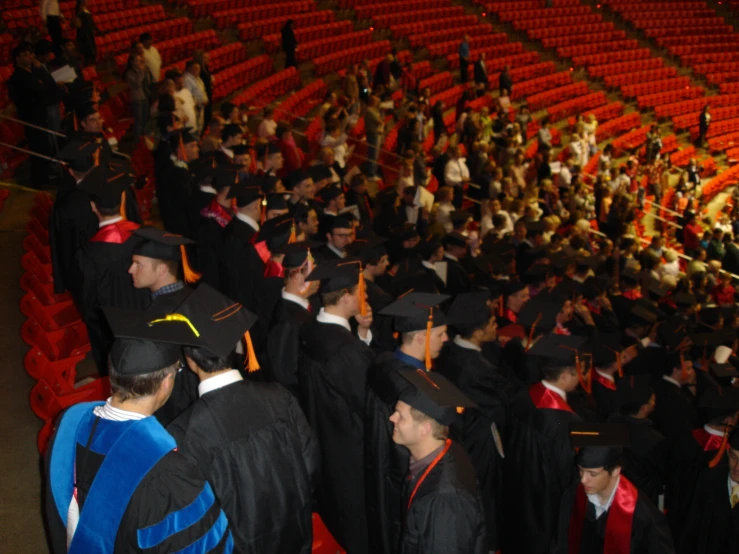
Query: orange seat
[[48, 399]]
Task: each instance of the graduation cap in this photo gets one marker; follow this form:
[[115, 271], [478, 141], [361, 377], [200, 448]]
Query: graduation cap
[[672, 331], [710, 316], [225, 175], [161, 245], [539, 314], [434, 395], [630, 276], [244, 192], [657, 290], [342, 221], [717, 402], [278, 231], [276, 201], [240, 149], [536, 274], [179, 138], [231, 130], [641, 315], [369, 250], [330, 193], [80, 154], [561, 260], [268, 183], [106, 184], [295, 178], [606, 350], [455, 238], [295, 254], [319, 172], [203, 169], [633, 391], [724, 373], [490, 264], [583, 263], [534, 228], [459, 217], [84, 110], [470, 309], [593, 287], [141, 352], [598, 444], [559, 350], [341, 275], [418, 311], [405, 232]]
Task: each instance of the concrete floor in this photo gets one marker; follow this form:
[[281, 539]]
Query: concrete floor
[[21, 525]]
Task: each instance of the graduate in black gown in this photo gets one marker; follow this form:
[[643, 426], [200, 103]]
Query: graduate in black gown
[[442, 509], [175, 183], [114, 475], [339, 233], [608, 360], [455, 250], [103, 263], [160, 266], [386, 462], [645, 462], [332, 374], [462, 362], [605, 512], [250, 440], [290, 314], [538, 458], [713, 522]]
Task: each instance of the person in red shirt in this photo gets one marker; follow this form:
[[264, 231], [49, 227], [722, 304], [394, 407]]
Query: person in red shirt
[[692, 233], [723, 293]]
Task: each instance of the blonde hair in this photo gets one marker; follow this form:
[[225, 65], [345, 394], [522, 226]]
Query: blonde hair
[[438, 431]]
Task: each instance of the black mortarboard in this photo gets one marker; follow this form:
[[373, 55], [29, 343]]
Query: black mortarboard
[[455, 238], [296, 253], [434, 395], [295, 178], [414, 310], [105, 184], [203, 169], [231, 130], [184, 135], [368, 250], [713, 338], [335, 276], [566, 289], [541, 313], [719, 401], [734, 439], [559, 350], [140, 356], [161, 245], [724, 373], [80, 154], [684, 299], [319, 172], [599, 444], [340, 222], [536, 274], [513, 287], [561, 260], [710, 316], [469, 308], [84, 110], [657, 290], [329, 193], [245, 192], [272, 148], [633, 391], [641, 315], [594, 287], [268, 183], [459, 217], [240, 149], [490, 264], [586, 262], [276, 201], [630, 276], [405, 232], [672, 360], [226, 175], [277, 231], [426, 248], [606, 349]]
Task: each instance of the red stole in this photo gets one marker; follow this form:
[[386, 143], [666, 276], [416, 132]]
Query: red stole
[[262, 250], [542, 397], [511, 315], [115, 233], [706, 440], [619, 523], [273, 269], [632, 294], [560, 330], [215, 211], [597, 377]]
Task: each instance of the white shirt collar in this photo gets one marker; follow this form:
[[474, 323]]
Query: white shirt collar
[[459, 341], [110, 221], [336, 251], [448, 255], [429, 265], [599, 509], [711, 431], [227, 151], [290, 297], [606, 376], [219, 381], [324, 317], [111, 413], [248, 220], [552, 388], [671, 380], [208, 189]]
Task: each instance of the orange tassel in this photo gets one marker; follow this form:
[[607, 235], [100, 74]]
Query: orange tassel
[[96, 157], [531, 332], [501, 306], [181, 150], [362, 293], [234, 207], [252, 364], [619, 366], [721, 451], [190, 274], [429, 326], [293, 236], [683, 371], [123, 205]]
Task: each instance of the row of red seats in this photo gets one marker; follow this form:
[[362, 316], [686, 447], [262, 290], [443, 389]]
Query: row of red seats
[[722, 142], [617, 126], [624, 68], [116, 114], [663, 32], [438, 82], [547, 20], [114, 43], [533, 86], [640, 76], [395, 17], [512, 13], [240, 75], [422, 69], [669, 97], [687, 121], [254, 29], [607, 58], [682, 157], [716, 57], [265, 91], [564, 41], [448, 33], [597, 48], [176, 49], [703, 39], [530, 4], [5, 72], [408, 29], [229, 17], [404, 57], [722, 77], [522, 72], [273, 42], [654, 6], [486, 43], [99, 6], [719, 48], [510, 54], [10, 159], [450, 96], [7, 43], [650, 26], [329, 45], [720, 127], [641, 89], [302, 102], [552, 96], [577, 105], [686, 106], [106, 22], [540, 33], [226, 56], [714, 67], [378, 9], [345, 57], [720, 182]]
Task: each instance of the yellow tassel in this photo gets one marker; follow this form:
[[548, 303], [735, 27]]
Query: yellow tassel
[[190, 274], [722, 449], [429, 326], [252, 364], [181, 150], [96, 157], [619, 365], [123, 205], [362, 293], [293, 236]]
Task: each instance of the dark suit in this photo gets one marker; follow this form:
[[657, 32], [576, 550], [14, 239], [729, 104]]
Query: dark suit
[[730, 261], [481, 74]]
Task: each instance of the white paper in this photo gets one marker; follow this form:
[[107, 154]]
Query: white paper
[[441, 269], [65, 74]]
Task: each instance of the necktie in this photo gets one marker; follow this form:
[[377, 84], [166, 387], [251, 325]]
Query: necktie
[[734, 495]]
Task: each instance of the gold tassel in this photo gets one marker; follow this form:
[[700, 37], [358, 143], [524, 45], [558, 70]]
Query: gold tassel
[[190, 274], [234, 206], [362, 293], [293, 237], [429, 326], [123, 205], [252, 364], [619, 365], [96, 157], [531, 332], [683, 371], [722, 449]]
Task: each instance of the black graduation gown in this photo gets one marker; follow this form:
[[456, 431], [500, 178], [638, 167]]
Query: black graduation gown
[[324, 254], [283, 343], [644, 462], [382, 325], [446, 514], [486, 386], [385, 463], [185, 390], [103, 265], [457, 279], [649, 531], [605, 397], [209, 236], [71, 225], [171, 485], [712, 525], [538, 467], [332, 372], [174, 188], [254, 446], [674, 415]]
